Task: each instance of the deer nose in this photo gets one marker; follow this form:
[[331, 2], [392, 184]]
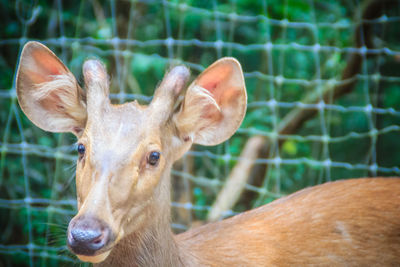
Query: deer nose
[[86, 236]]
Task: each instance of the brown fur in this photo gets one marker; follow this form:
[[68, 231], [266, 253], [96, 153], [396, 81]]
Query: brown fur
[[346, 223]]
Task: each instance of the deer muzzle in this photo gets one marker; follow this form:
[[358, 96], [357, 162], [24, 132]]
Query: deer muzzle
[[89, 237]]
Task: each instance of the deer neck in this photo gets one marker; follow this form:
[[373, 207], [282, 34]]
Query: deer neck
[[154, 243]]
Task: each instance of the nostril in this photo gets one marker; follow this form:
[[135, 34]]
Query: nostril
[[98, 240]]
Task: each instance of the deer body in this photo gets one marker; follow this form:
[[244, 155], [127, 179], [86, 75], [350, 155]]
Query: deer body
[[318, 226], [123, 177], [326, 225]]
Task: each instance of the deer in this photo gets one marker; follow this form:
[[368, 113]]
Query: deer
[[125, 155]]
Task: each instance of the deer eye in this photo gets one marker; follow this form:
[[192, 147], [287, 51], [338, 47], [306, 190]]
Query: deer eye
[[153, 158], [81, 149]]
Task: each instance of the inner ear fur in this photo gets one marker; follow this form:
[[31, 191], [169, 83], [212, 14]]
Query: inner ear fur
[[214, 105], [48, 92]]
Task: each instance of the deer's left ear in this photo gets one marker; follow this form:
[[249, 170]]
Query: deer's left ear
[[214, 104], [48, 92]]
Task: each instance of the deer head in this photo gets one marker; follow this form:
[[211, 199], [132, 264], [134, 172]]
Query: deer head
[[126, 151]]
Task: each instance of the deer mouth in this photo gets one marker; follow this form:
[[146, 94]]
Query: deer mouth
[[94, 259]]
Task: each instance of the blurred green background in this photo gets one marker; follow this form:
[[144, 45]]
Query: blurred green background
[[323, 94]]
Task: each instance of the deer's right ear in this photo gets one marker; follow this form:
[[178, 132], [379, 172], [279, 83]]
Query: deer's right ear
[[214, 104], [48, 92]]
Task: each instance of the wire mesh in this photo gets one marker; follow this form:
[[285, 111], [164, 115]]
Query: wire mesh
[[294, 54]]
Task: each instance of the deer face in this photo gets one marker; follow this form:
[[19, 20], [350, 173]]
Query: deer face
[[125, 151]]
